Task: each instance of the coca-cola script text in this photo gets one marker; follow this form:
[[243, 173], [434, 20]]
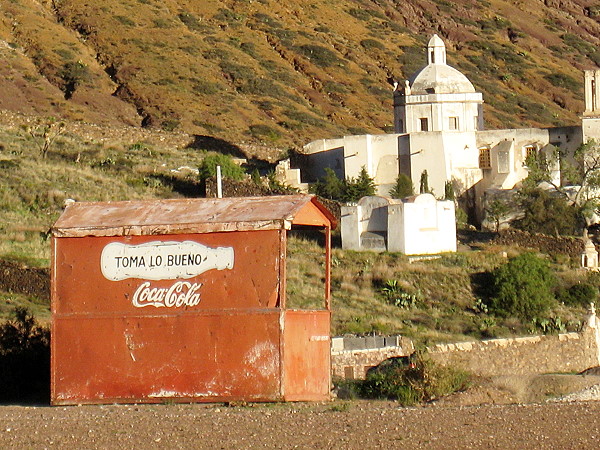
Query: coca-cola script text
[[180, 294]]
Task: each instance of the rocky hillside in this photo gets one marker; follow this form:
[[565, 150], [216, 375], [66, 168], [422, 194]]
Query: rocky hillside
[[283, 72]]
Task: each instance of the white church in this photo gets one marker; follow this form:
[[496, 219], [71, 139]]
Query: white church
[[439, 127]]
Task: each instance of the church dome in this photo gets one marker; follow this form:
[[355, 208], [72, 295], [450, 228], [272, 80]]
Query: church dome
[[437, 77]]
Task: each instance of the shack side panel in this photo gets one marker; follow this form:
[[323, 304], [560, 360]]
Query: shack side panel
[[144, 318], [307, 355]]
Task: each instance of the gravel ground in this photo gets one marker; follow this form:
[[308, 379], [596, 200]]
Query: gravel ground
[[590, 394], [352, 424]]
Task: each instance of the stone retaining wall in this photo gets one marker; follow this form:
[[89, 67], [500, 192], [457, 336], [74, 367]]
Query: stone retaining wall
[[547, 244], [350, 362], [569, 352]]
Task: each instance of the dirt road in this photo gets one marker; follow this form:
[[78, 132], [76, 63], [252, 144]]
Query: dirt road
[[353, 424]]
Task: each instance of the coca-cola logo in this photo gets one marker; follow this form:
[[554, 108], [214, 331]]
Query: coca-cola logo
[[180, 294]]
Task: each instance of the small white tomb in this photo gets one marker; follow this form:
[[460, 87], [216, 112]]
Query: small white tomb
[[419, 225]]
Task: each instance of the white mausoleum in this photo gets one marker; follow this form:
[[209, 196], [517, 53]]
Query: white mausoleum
[[439, 127], [418, 225]]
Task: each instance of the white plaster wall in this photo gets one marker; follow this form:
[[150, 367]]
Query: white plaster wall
[[518, 140], [357, 153], [590, 128], [429, 226], [438, 108], [422, 227], [373, 213], [323, 145], [385, 161], [461, 148], [350, 227], [427, 153]]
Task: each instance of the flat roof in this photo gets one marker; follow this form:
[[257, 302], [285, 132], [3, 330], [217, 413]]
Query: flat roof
[[197, 215]]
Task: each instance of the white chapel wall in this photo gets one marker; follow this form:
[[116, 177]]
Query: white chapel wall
[[427, 153]]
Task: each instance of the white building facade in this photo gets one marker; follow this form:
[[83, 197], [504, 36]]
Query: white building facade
[[439, 127]]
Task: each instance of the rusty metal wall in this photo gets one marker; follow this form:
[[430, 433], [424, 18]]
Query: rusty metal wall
[[113, 339], [307, 354]]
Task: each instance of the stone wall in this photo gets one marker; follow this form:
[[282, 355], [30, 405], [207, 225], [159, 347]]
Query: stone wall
[[350, 361], [569, 352], [546, 244]]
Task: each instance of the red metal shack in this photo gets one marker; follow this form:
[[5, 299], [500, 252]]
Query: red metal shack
[[184, 300]]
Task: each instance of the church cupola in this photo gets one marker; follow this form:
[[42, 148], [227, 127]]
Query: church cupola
[[436, 51], [437, 98]]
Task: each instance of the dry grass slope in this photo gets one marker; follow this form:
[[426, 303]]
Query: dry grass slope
[[283, 73]]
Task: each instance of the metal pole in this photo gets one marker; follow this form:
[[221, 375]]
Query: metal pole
[[219, 183]]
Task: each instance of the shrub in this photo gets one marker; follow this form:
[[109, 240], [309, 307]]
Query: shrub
[[264, 132], [522, 287], [413, 381], [320, 56], [403, 187], [229, 169], [169, 124], [581, 294], [357, 188], [24, 359], [348, 190], [544, 213], [397, 296], [372, 43], [329, 186], [564, 81], [190, 21]]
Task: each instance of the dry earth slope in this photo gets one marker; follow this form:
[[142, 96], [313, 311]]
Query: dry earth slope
[[285, 72]]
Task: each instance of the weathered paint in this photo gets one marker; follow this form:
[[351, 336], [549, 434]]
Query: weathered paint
[[307, 355], [141, 316], [181, 216]]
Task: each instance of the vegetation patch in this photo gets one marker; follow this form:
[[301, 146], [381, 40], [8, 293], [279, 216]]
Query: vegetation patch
[[409, 381], [24, 359]]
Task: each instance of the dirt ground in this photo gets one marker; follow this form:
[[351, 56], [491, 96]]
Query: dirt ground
[[340, 424], [15, 277], [489, 415]]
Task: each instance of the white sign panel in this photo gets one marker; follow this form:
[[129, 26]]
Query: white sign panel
[[162, 260]]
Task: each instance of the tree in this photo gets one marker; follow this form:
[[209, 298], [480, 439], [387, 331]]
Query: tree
[[403, 187], [44, 132], [329, 186], [229, 169], [348, 190], [546, 213], [362, 186], [73, 74], [424, 183], [496, 211], [580, 172], [448, 191], [522, 287]]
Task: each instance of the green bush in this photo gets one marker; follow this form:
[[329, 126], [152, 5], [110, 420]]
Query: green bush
[[329, 186], [544, 213], [581, 294], [411, 382], [264, 132], [229, 169], [24, 359], [359, 187], [522, 287], [403, 187], [348, 190], [319, 55]]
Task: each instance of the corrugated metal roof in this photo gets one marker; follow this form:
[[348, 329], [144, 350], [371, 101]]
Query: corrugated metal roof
[[198, 215]]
